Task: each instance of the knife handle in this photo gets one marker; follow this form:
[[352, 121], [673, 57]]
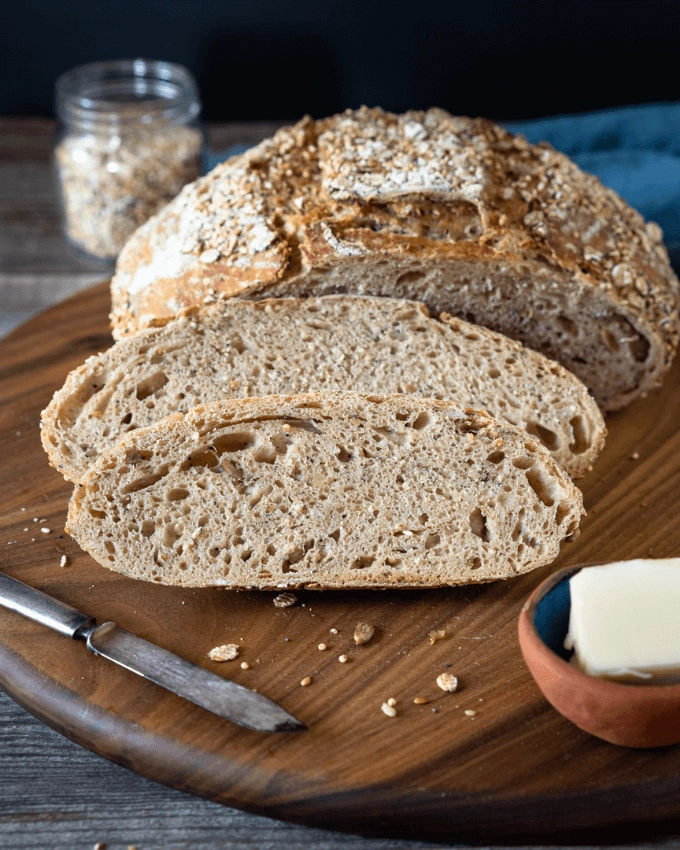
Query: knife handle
[[38, 606]]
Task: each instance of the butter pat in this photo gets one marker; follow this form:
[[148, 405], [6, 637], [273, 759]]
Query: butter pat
[[624, 622]]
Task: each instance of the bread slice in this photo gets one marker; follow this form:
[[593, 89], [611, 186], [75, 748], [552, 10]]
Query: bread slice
[[325, 490], [455, 212], [247, 348]]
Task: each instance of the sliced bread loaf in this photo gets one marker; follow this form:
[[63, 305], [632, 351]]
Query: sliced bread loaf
[[371, 345], [455, 212], [325, 490]]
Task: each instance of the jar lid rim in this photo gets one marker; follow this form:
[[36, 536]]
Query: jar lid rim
[[134, 91]]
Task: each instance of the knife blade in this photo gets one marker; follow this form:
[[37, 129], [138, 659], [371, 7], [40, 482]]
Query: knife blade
[[220, 696]]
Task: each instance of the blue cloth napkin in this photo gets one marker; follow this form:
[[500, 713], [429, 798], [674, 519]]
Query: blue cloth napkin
[[635, 151]]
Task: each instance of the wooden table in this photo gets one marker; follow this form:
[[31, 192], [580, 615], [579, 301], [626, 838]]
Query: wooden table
[[53, 793]]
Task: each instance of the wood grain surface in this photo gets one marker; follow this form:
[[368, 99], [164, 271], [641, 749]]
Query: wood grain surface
[[515, 771]]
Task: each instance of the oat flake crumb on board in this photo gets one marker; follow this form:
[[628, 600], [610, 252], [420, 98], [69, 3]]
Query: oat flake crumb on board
[[389, 710], [285, 600], [363, 633], [226, 652], [447, 682]]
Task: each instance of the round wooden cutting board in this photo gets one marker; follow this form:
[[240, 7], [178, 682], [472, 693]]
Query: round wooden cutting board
[[513, 771]]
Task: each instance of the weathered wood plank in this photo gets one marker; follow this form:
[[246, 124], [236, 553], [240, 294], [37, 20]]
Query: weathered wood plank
[[54, 794]]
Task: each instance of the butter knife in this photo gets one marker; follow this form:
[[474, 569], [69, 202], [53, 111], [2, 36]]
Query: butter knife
[[221, 696]]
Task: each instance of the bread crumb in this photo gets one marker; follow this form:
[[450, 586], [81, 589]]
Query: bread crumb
[[447, 682], [363, 633], [46, 530], [322, 646], [391, 701], [226, 652], [435, 635], [635, 456], [285, 600], [334, 631], [64, 561], [245, 665], [389, 710], [420, 701], [306, 681], [343, 659], [470, 712]]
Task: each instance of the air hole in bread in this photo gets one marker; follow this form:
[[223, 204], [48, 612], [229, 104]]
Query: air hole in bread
[[580, 433], [200, 459], [151, 385], [410, 277], [237, 344], [639, 348], [362, 563], [335, 534], [432, 540], [265, 454], [235, 441], [134, 456], [343, 455], [549, 438], [478, 525], [610, 341], [392, 436], [177, 494], [561, 513], [171, 534], [423, 518], [567, 325], [476, 563], [305, 424], [494, 373], [145, 481], [110, 548], [148, 527], [422, 420], [496, 457], [540, 486]]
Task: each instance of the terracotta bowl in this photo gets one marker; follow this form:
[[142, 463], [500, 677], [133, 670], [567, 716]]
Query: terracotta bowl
[[627, 714]]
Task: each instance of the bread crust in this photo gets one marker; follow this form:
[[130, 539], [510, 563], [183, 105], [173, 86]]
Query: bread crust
[[325, 490], [456, 212]]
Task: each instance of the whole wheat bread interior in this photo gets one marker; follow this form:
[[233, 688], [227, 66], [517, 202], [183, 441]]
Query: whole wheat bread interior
[[325, 491], [277, 346], [455, 212]]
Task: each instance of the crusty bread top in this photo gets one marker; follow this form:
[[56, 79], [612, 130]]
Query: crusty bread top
[[254, 348], [325, 490], [423, 185]]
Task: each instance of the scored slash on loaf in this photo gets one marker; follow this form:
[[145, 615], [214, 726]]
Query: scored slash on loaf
[[372, 345], [325, 490], [454, 212]]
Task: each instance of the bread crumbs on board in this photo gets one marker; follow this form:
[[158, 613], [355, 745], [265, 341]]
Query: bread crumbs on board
[[226, 652]]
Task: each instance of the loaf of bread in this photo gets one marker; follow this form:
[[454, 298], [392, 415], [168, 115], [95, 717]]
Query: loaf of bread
[[454, 212], [325, 490], [337, 342]]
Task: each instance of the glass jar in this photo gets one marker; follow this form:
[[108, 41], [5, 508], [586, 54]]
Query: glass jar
[[128, 140]]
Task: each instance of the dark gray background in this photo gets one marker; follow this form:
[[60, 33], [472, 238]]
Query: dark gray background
[[282, 58]]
